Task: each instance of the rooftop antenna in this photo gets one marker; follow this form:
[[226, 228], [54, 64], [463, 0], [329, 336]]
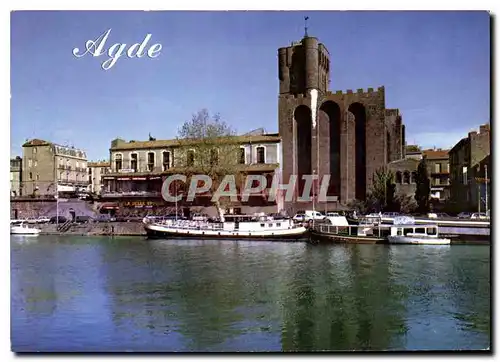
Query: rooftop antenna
[[305, 26]]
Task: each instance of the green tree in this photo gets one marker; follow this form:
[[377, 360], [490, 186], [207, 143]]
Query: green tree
[[383, 190], [423, 189], [208, 146]]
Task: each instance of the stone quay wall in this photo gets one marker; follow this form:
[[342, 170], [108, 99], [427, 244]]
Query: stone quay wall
[[107, 229]]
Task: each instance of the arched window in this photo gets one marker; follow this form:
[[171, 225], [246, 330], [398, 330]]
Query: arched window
[[399, 177], [414, 177], [406, 177]]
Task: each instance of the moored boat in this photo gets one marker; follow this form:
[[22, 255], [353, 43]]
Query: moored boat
[[232, 227], [23, 229], [406, 231], [340, 230]]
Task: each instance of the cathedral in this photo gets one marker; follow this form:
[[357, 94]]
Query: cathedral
[[347, 135]]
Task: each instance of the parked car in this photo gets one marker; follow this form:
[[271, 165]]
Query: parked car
[[437, 215], [479, 216], [299, 217], [464, 215], [313, 215], [43, 219]]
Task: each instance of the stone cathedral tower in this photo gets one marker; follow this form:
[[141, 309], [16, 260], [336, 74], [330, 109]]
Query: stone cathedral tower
[[347, 135]]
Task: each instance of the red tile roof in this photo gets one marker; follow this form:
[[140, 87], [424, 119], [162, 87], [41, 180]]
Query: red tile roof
[[435, 154], [35, 142]]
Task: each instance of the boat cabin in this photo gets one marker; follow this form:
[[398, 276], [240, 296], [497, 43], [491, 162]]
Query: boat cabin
[[252, 223], [415, 230]]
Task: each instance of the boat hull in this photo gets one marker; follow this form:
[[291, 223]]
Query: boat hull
[[345, 239], [161, 232], [418, 241], [25, 232]]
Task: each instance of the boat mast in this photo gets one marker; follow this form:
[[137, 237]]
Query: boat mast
[[314, 197], [176, 201], [486, 185]]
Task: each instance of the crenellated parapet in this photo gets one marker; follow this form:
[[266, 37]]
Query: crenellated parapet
[[370, 92]]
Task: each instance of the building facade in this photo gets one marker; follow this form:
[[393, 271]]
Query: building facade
[[96, 171], [438, 169], [413, 151], [16, 176], [465, 157], [138, 169], [48, 167], [348, 135]]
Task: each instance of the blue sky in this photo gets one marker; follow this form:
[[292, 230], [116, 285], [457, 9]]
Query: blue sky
[[435, 67]]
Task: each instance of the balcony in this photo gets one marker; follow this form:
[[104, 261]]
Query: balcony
[[130, 194]]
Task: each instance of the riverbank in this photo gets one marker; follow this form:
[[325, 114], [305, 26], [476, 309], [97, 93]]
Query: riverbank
[[97, 229]]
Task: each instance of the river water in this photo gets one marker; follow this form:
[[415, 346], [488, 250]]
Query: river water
[[132, 294]]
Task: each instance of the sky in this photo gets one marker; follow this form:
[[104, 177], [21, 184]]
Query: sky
[[435, 67]]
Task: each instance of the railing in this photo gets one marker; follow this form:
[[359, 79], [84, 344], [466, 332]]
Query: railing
[[131, 193], [347, 230]]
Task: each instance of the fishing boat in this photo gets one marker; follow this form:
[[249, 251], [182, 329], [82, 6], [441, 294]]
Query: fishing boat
[[23, 229], [406, 231], [230, 227]]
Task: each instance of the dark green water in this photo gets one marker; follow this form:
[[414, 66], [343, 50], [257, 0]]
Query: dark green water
[[130, 294]]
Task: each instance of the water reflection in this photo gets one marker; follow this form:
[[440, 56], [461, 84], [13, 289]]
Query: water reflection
[[101, 294]]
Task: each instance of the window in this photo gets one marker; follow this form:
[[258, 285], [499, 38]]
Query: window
[[31, 176], [464, 175], [166, 160], [133, 161], [190, 158], [406, 177], [399, 177], [30, 163], [437, 181], [151, 161], [241, 157], [261, 154], [34, 150], [118, 162], [414, 177], [278, 224], [437, 168], [214, 157], [37, 177]]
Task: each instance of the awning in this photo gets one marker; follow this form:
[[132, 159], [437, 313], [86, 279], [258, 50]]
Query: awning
[[109, 206]]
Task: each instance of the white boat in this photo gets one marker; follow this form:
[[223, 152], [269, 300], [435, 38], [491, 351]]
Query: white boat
[[416, 234], [233, 227], [23, 229]]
